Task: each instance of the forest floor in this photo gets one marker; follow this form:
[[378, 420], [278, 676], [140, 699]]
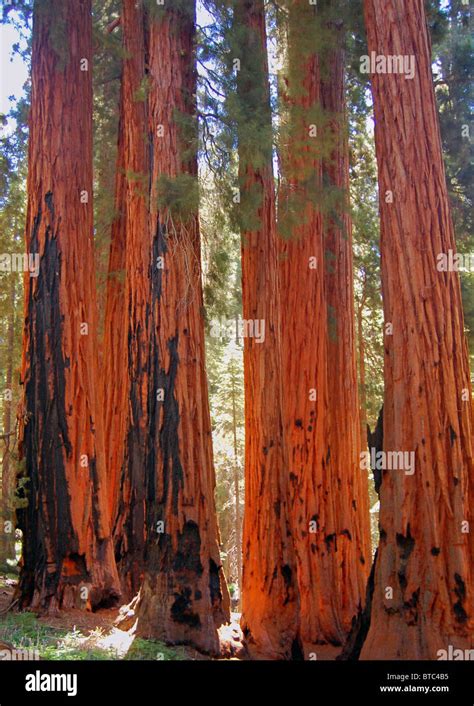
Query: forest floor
[[80, 635]]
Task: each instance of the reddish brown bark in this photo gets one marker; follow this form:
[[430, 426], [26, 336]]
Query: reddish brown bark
[[114, 383], [329, 500], [130, 527], [349, 480], [424, 554], [67, 541], [269, 591], [304, 334], [183, 598]]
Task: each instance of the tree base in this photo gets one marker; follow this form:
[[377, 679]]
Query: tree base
[[156, 613]]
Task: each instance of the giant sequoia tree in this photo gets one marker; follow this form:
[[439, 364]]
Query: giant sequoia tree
[[114, 396], [116, 494], [328, 493], [304, 326], [422, 594], [183, 596], [269, 593], [140, 348], [68, 558], [352, 555]]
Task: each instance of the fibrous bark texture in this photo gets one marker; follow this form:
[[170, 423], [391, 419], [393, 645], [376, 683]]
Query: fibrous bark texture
[[352, 557], [269, 590], [130, 529], [423, 591], [183, 597], [68, 557], [328, 493], [114, 383]]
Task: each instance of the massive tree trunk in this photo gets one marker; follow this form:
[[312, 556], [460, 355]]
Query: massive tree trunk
[[184, 597], [130, 527], [350, 494], [269, 591], [329, 500], [304, 334], [423, 591], [68, 555], [115, 380]]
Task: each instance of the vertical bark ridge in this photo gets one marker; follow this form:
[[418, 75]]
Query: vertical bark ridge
[[269, 588], [425, 553], [67, 545], [183, 598]]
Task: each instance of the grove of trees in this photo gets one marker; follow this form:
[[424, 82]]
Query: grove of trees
[[235, 373]]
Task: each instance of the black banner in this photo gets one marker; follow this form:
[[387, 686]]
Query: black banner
[[232, 682]]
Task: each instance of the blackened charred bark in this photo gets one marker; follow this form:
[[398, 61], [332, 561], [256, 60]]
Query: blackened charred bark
[[130, 528], [46, 435], [68, 558], [183, 597], [360, 622], [375, 441]]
